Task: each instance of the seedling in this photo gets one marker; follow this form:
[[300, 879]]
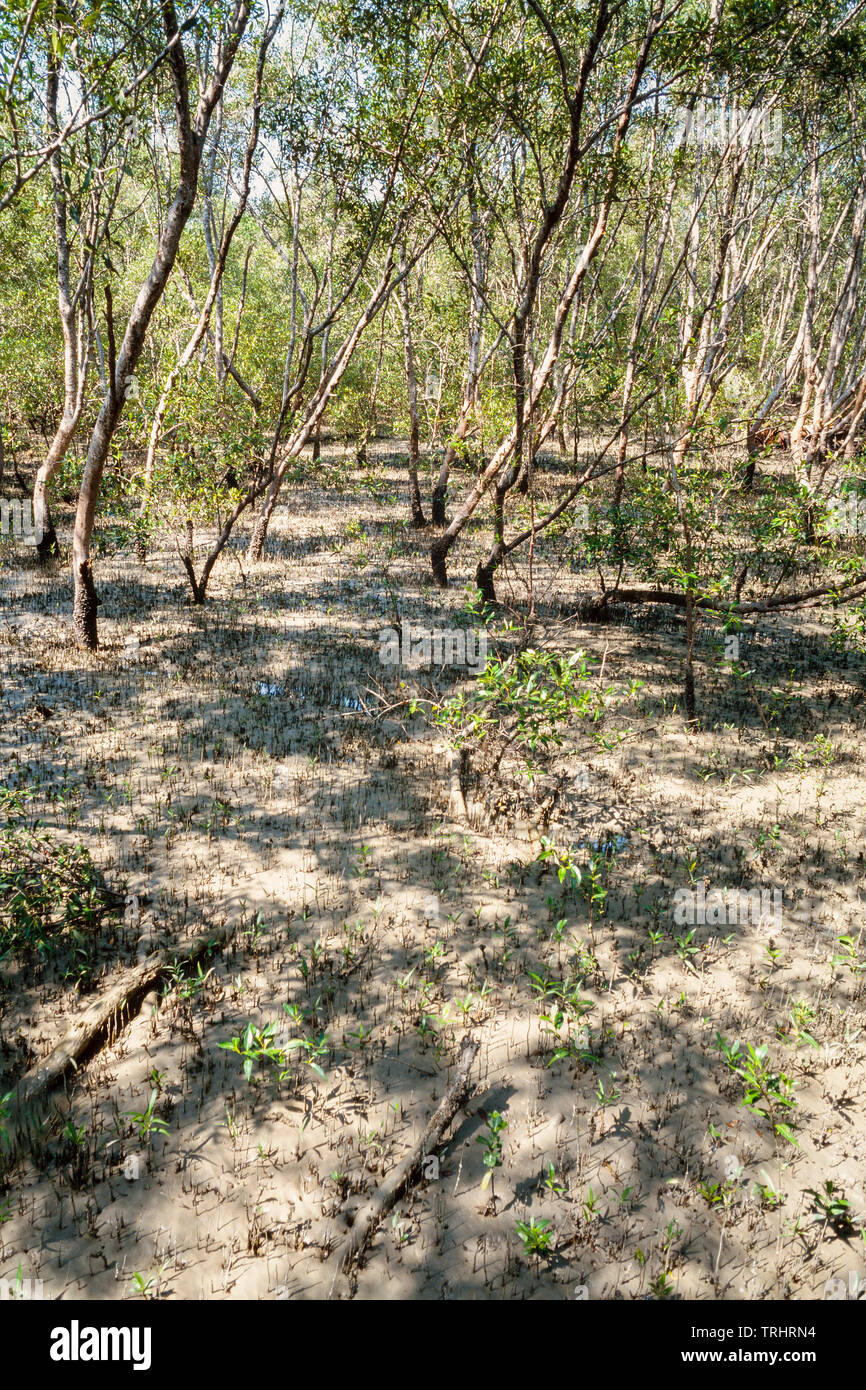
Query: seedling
[[142, 1285], [848, 956], [766, 1092], [685, 949], [362, 863], [492, 1145], [796, 1032], [535, 1235], [551, 1181], [146, 1121], [606, 1097], [662, 1286], [255, 1045], [186, 987], [768, 1195], [590, 1206], [830, 1207], [5, 1110]]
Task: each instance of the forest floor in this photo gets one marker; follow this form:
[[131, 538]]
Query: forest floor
[[253, 763]]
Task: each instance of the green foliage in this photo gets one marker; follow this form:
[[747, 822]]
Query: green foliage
[[531, 696], [257, 1045], [831, 1208], [766, 1092], [492, 1145], [146, 1121], [50, 892], [535, 1235]]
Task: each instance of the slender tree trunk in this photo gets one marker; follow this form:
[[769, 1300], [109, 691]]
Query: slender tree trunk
[[415, 508], [330, 380], [469, 402], [75, 343]]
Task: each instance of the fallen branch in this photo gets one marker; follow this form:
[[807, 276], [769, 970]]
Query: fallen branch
[[104, 1016], [597, 604], [370, 1216]]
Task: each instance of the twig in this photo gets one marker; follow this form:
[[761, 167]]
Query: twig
[[370, 1216]]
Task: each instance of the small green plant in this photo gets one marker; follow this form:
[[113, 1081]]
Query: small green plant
[[435, 953], [769, 1196], [255, 1045], [362, 865], [590, 1206], [594, 886], [256, 931], [258, 1045], [147, 1122], [830, 1207], [551, 1182], [5, 1111], [663, 1285], [672, 1234], [567, 870], [492, 1145], [685, 949], [606, 1097], [848, 957], [313, 1048], [186, 987], [796, 1032], [400, 1228], [767, 1092], [72, 1135], [536, 1236], [147, 1286]]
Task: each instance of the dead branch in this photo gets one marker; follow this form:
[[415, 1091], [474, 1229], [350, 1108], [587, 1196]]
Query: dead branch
[[371, 1215], [106, 1015]]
